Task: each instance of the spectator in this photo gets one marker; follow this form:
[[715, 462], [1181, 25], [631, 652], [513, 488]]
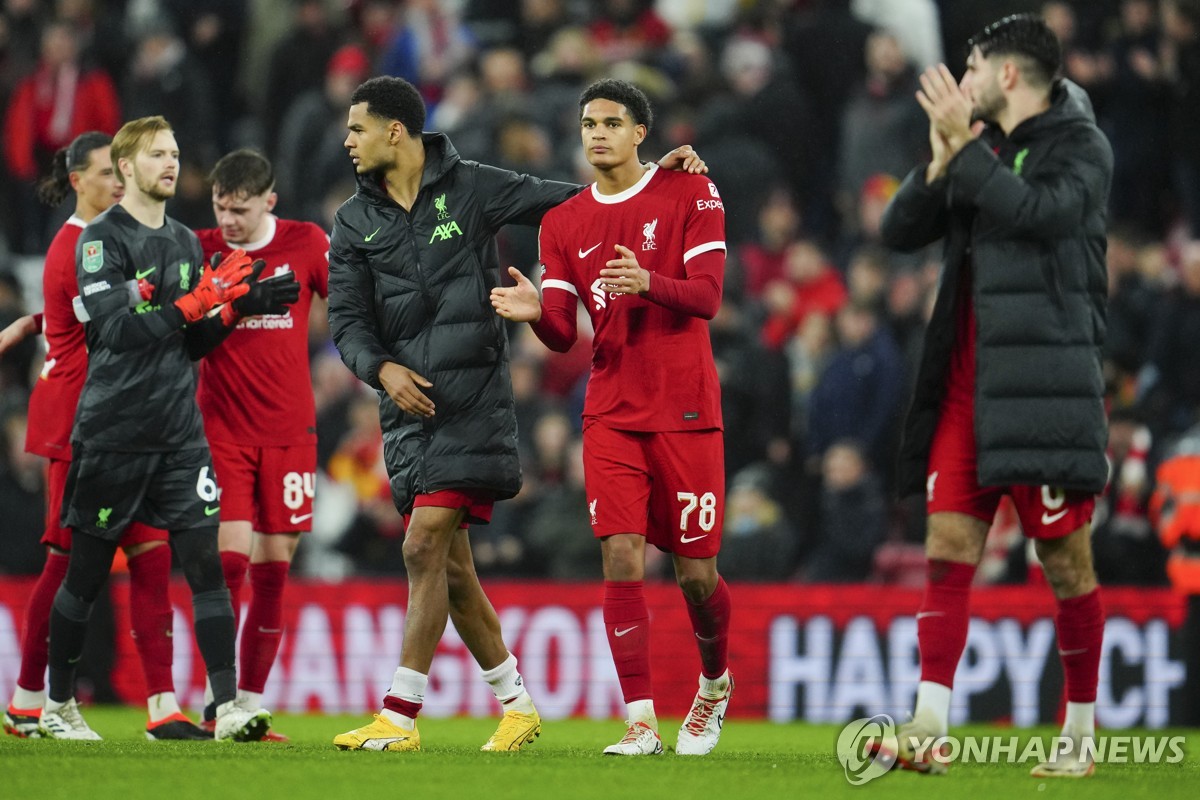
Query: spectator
[[1181, 24], [1126, 548], [560, 533], [298, 64], [1170, 382], [759, 543], [63, 98], [853, 517]]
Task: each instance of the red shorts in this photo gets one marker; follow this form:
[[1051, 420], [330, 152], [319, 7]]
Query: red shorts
[[668, 486], [59, 537], [479, 507], [272, 488], [1046, 512]]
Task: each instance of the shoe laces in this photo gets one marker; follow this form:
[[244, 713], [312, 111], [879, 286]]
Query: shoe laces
[[701, 713], [70, 714], [633, 733]]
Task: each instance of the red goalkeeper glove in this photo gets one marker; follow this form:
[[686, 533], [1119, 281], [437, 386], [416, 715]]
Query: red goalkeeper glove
[[222, 283]]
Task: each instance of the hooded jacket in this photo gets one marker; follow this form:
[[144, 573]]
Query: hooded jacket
[[1027, 213], [412, 287]]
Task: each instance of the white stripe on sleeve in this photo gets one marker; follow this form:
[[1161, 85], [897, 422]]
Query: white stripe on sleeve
[[555, 283], [702, 248]]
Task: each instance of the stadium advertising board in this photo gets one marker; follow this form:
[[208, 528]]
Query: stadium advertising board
[[818, 653]]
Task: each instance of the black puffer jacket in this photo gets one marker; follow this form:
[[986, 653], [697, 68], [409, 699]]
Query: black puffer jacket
[[1028, 211], [412, 287]]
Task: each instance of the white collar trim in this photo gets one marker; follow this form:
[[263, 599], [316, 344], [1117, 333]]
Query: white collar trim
[[621, 197], [250, 247]]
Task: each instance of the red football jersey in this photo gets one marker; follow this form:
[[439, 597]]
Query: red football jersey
[[256, 388], [652, 366], [52, 406]]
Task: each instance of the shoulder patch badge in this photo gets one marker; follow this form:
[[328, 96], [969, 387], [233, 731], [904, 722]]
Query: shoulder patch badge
[[93, 256]]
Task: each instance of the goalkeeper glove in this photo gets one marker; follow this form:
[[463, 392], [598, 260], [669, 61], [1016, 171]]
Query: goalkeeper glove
[[269, 296], [223, 283]]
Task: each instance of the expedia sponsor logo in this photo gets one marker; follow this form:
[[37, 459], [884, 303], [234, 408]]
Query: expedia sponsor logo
[[710, 205]]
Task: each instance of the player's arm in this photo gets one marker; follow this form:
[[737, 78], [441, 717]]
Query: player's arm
[[917, 215], [352, 320], [510, 198], [1073, 178], [552, 318], [19, 330], [100, 271]]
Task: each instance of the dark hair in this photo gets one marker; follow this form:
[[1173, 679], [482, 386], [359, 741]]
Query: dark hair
[[75, 157], [243, 171], [392, 98], [623, 92], [1025, 36]]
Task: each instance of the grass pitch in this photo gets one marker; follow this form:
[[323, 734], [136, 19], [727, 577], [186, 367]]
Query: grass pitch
[[754, 760]]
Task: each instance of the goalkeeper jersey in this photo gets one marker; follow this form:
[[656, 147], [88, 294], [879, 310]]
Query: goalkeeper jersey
[[140, 390], [256, 388]]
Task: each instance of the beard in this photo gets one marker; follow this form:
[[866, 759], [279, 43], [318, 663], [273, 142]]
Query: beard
[[989, 105], [151, 188]]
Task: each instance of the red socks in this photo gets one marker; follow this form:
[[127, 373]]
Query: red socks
[[710, 622], [1080, 624], [35, 643], [627, 623], [151, 617], [264, 624], [234, 565], [943, 618]]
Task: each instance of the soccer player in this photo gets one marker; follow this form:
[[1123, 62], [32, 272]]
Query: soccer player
[[85, 168], [412, 259], [138, 447], [1009, 396], [257, 402], [644, 250]]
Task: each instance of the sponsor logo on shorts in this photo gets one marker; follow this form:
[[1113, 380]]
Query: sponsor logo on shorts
[[210, 510], [102, 519], [619, 633], [298, 518], [690, 539]]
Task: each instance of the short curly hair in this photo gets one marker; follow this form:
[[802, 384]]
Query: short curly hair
[[390, 98], [1028, 38], [623, 92]]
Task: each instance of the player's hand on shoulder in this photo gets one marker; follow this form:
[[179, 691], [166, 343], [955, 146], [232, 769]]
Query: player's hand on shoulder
[[520, 303], [623, 274], [684, 159], [404, 387]]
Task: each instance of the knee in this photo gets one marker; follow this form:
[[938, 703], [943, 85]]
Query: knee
[[423, 552], [623, 560], [697, 587]]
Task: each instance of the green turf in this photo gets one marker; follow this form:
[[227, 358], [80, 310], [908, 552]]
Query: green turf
[[754, 760]]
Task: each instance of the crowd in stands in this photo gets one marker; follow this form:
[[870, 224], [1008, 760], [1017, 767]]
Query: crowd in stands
[[805, 113]]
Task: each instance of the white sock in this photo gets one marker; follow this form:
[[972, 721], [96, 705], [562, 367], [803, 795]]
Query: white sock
[[250, 699], [26, 699], [408, 685], [52, 706], [642, 711], [508, 686], [1080, 720], [934, 698], [162, 705], [208, 692], [714, 688]]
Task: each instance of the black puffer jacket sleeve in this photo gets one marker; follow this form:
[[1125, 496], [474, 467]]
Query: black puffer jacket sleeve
[[352, 319], [916, 216], [513, 199], [1073, 179]]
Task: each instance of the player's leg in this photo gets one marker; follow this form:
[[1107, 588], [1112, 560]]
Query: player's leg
[[182, 497], [475, 619], [617, 481], [283, 487], [88, 568], [427, 542], [1067, 563], [25, 708], [101, 493], [687, 507], [151, 619]]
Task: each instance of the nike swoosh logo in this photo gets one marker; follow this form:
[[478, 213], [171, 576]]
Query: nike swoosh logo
[[686, 540], [142, 273], [372, 236], [619, 633], [210, 510], [584, 253], [1050, 519], [296, 520]]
